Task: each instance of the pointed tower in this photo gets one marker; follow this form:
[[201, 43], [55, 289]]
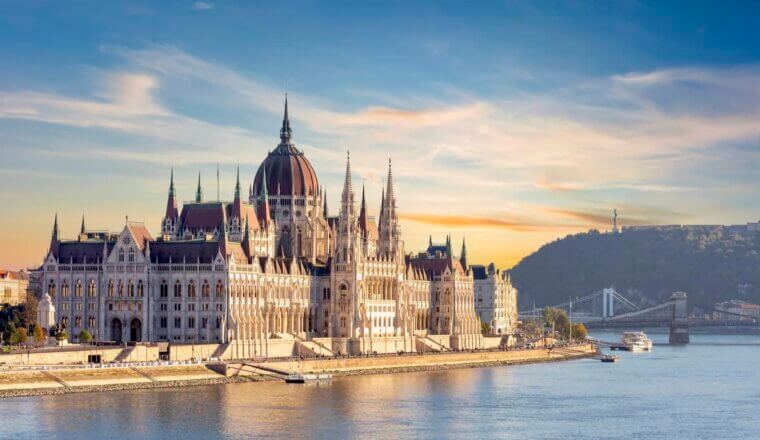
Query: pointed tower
[[285, 132], [363, 215], [264, 213], [169, 225], [463, 255], [325, 211], [390, 234], [199, 191], [55, 237], [82, 231], [347, 219]]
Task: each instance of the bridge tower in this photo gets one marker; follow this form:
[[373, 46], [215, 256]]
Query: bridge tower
[[608, 303], [679, 326]]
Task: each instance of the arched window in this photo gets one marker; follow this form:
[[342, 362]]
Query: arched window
[[177, 289], [78, 289], [65, 322], [130, 288], [191, 289], [91, 322], [91, 289], [51, 289], [121, 288], [65, 289], [343, 291], [110, 288], [121, 255], [131, 255], [140, 291], [164, 289], [206, 289], [219, 289], [78, 321]]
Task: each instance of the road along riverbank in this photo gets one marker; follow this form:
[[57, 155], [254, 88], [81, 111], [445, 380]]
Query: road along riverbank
[[76, 379]]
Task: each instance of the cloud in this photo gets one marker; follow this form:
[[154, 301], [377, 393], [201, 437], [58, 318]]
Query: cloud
[[202, 6], [462, 221]]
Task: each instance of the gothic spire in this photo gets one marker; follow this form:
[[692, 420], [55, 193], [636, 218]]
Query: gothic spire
[[82, 229], [171, 201], [363, 213], [172, 193], [324, 208], [347, 191], [199, 191], [285, 131], [463, 255], [264, 214], [56, 231], [237, 184]]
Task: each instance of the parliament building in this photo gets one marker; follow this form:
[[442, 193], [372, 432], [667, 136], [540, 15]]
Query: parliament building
[[272, 266]]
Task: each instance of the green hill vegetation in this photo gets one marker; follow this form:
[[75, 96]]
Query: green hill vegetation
[[709, 263]]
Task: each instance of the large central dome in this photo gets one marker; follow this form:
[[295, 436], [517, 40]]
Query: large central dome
[[286, 169]]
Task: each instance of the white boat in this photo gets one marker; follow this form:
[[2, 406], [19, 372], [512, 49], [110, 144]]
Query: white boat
[[303, 378], [636, 341]]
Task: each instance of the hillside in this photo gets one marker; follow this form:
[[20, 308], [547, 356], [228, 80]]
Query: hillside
[[710, 263]]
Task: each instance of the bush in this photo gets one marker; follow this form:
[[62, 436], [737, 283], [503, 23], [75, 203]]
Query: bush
[[38, 333], [579, 331], [84, 337]]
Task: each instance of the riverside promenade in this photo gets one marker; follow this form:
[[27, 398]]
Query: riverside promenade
[[62, 379]]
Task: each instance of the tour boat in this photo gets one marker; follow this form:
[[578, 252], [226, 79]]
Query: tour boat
[[636, 341], [609, 358], [303, 378]]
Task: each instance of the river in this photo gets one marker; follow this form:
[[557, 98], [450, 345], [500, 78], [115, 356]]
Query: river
[[707, 389]]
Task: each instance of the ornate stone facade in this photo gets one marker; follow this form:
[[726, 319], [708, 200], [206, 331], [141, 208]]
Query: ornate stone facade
[[274, 266]]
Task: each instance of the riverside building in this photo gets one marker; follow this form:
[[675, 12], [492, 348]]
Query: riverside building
[[272, 265]]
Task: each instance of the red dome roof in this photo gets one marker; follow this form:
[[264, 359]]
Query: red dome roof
[[288, 172]]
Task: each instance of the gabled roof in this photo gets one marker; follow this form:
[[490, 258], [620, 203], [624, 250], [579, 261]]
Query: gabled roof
[[140, 234]]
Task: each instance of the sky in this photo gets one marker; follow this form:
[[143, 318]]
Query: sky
[[510, 124]]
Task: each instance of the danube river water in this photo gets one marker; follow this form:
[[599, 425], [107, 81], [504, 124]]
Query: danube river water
[[707, 389]]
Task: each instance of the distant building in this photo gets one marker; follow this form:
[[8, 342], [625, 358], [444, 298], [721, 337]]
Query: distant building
[[495, 299], [734, 308], [13, 287]]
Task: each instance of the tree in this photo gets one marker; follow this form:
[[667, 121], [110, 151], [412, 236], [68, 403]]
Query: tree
[[579, 331], [61, 335], [12, 337], [84, 337], [485, 328], [557, 319], [39, 335], [23, 335]]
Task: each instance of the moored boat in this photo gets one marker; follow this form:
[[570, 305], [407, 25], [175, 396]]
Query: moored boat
[[636, 341]]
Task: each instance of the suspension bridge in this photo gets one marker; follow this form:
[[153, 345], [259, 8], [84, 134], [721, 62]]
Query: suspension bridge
[[608, 308]]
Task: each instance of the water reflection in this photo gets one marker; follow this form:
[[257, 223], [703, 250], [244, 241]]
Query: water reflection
[[680, 392]]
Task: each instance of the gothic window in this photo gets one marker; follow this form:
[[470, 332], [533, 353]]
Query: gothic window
[[204, 322], [65, 289], [164, 289], [219, 289], [78, 321], [177, 322], [191, 322], [140, 288], [131, 255], [51, 289], [130, 288], [91, 322], [91, 289], [65, 321], [206, 289], [110, 288], [177, 289], [218, 322], [191, 289], [163, 322], [78, 289], [121, 255], [121, 288]]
